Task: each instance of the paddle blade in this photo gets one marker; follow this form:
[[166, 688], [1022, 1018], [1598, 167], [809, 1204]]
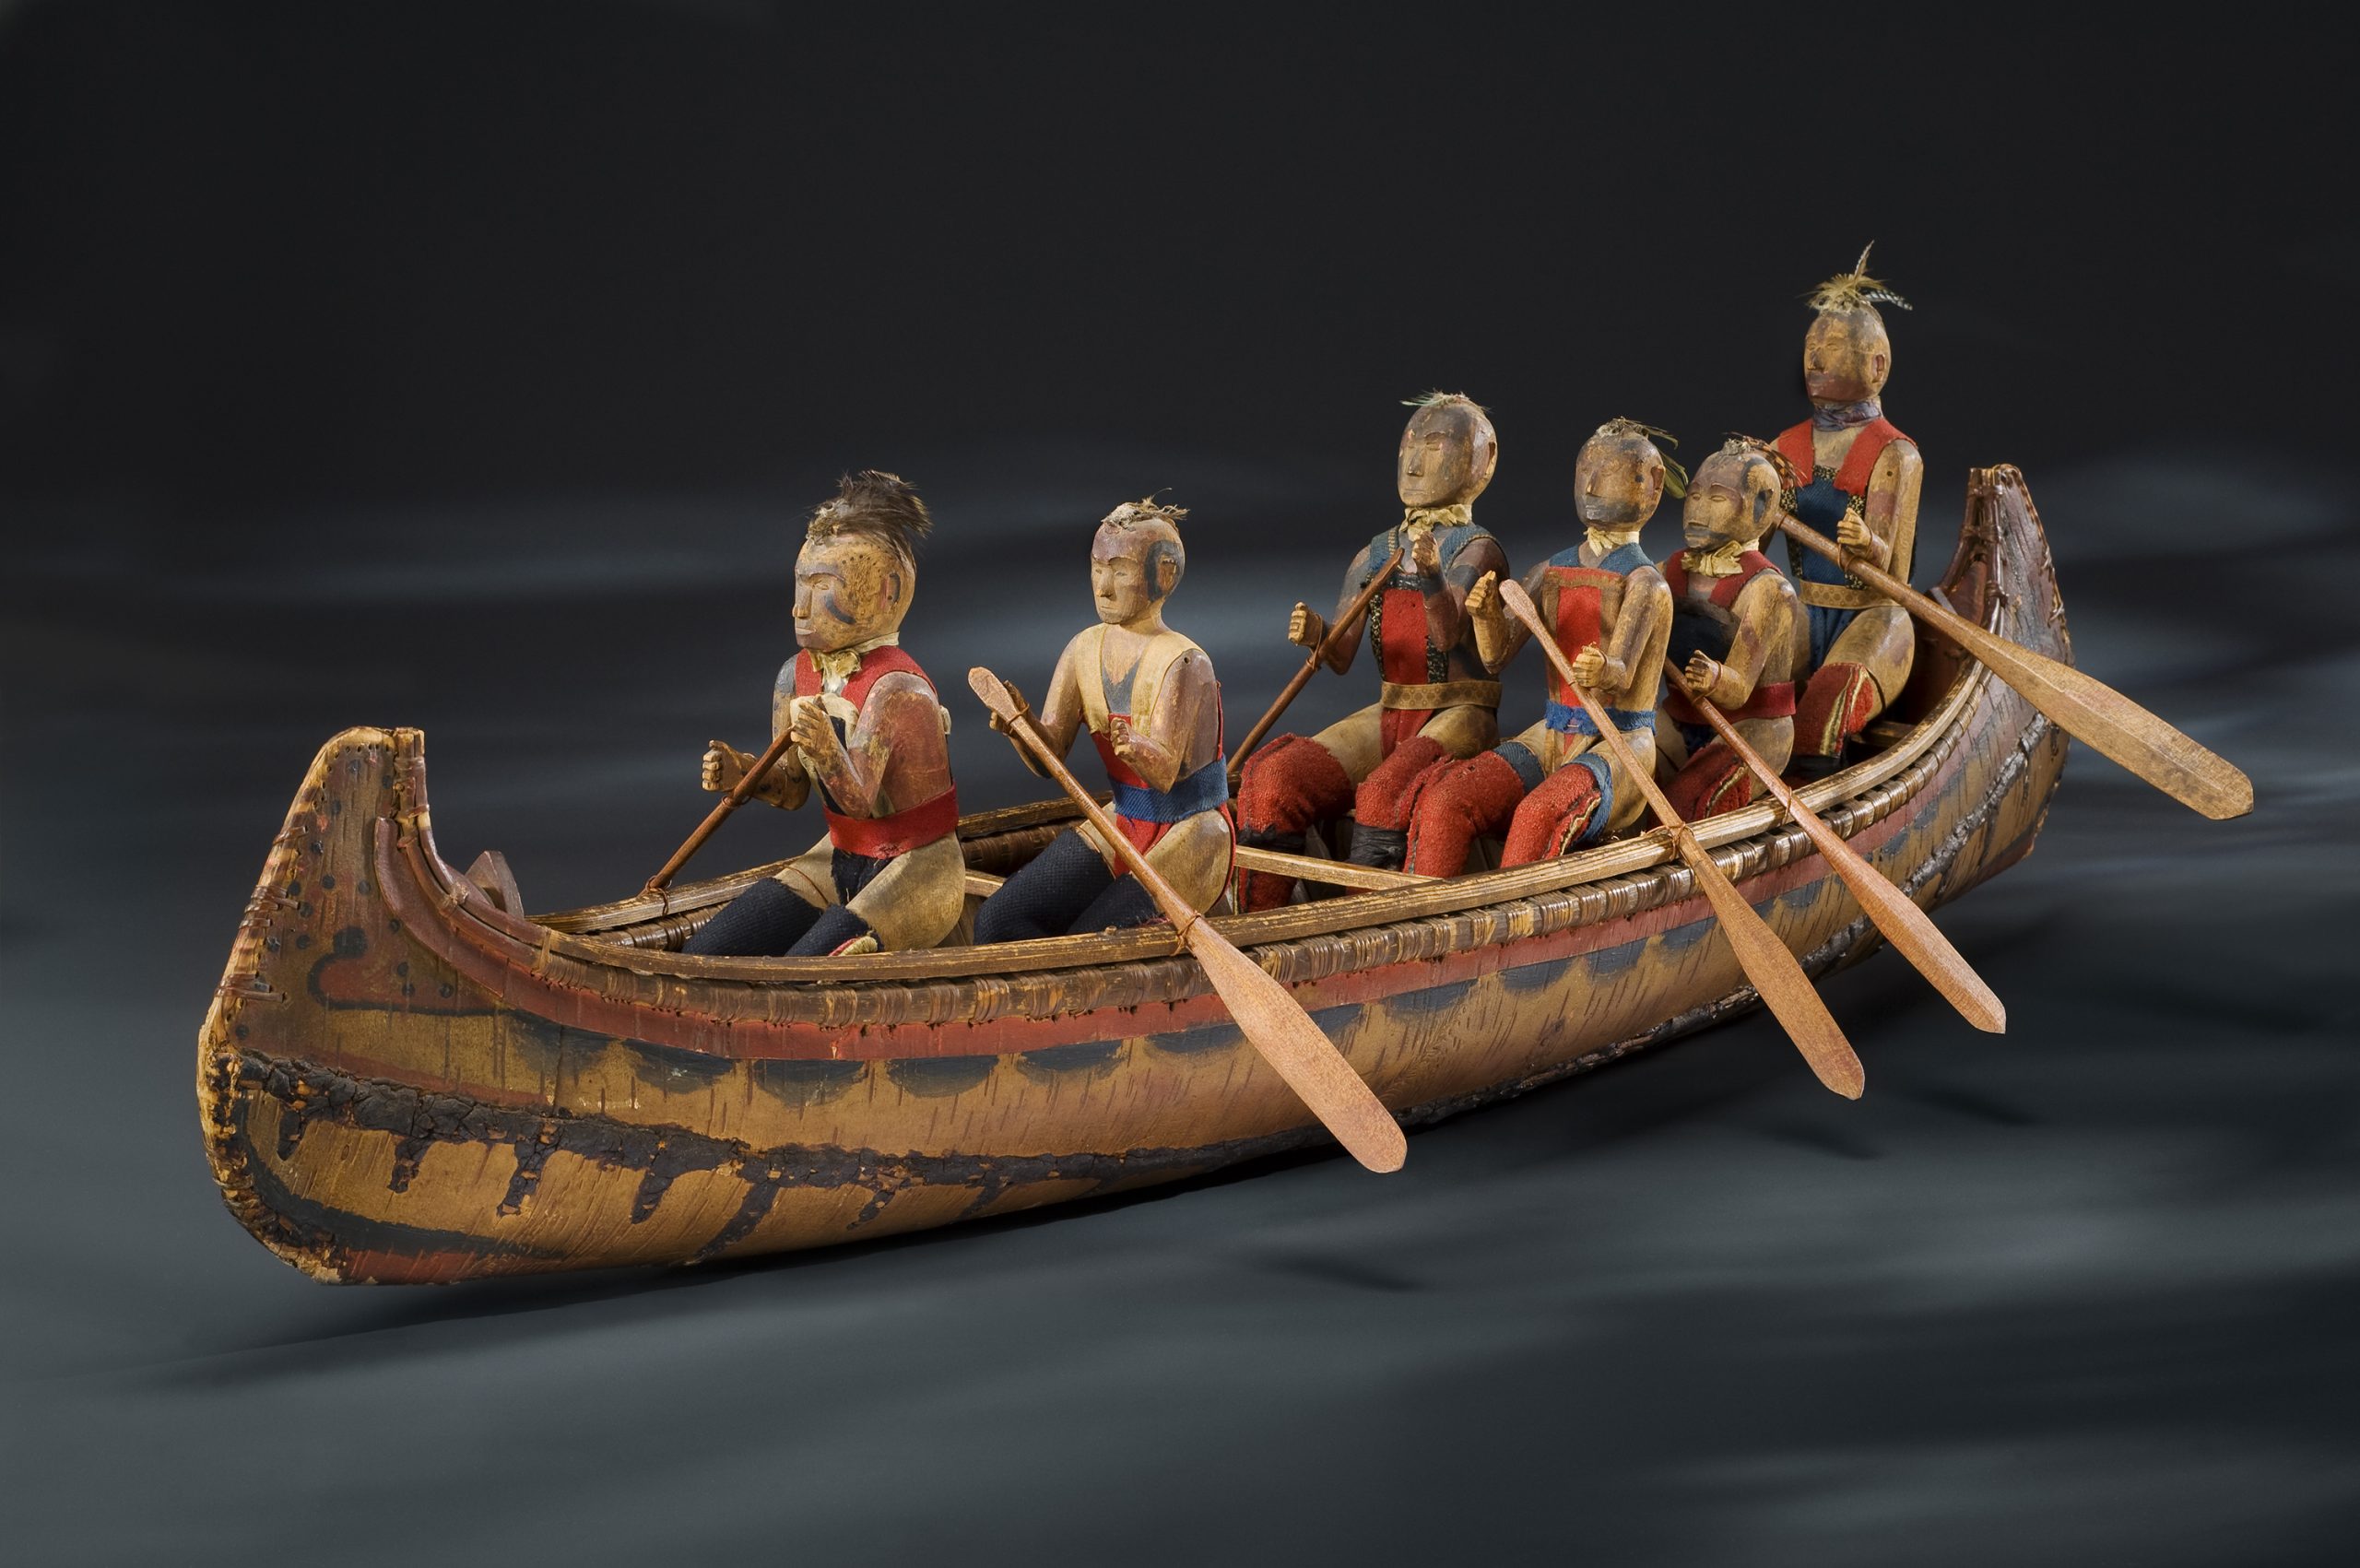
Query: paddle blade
[[1910, 931], [1275, 1024], [2095, 713], [1784, 989]]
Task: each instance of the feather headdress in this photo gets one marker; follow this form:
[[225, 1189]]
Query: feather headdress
[[1132, 513], [884, 507], [1739, 445], [1439, 399], [1675, 477], [1855, 289]]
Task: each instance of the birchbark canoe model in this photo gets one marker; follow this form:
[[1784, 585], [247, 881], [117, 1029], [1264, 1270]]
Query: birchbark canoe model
[[402, 1078]]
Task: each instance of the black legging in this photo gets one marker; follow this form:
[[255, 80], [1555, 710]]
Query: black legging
[[769, 920], [1065, 888]]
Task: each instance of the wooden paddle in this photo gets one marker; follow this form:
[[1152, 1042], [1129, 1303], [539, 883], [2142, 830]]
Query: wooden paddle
[[1913, 935], [713, 819], [2086, 709], [1339, 636], [1769, 967], [1272, 1020]]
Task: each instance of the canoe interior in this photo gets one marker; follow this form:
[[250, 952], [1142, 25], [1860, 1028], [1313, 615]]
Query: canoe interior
[[403, 1081]]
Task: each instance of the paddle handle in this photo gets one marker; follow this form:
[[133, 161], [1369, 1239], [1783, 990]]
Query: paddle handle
[[1956, 627], [1339, 637], [720, 813]]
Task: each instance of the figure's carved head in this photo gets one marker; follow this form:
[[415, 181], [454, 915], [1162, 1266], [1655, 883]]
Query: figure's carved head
[[858, 566], [1449, 450], [1846, 353], [1737, 495], [1136, 560], [1622, 474]]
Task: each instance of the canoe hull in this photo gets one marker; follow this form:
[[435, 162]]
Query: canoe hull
[[383, 1102]]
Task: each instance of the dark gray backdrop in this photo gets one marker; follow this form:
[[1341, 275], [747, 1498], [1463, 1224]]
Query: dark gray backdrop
[[469, 366]]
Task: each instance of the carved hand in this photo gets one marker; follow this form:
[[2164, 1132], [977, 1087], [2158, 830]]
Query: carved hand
[[1703, 671], [1125, 740], [1589, 667], [1483, 599], [814, 736], [1305, 627], [1426, 556], [1017, 698], [1853, 534], [724, 766]]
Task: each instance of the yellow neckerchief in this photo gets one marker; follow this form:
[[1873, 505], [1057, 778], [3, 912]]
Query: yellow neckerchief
[[1721, 560], [1606, 541], [839, 668], [1416, 519]]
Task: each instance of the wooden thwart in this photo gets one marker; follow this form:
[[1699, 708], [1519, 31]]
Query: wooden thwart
[[1341, 873], [1913, 935], [1784, 989], [1339, 635], [2088, 710], [1266, 1013]]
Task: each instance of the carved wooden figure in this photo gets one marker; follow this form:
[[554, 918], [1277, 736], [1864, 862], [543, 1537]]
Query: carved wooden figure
[[1862, 478], [1148, 696], [1436, 701], [868, 731], [1734, 629], [1553, 788]]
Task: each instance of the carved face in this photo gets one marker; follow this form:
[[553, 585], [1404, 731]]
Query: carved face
[[849, 589], [1733, 496], [1618, 482], [1447, 454], [1846, 357], [1132, 571]]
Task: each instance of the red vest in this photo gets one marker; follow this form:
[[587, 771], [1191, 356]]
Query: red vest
[[1859, 462], [1580, 616], [914, 827], [1770, 700]]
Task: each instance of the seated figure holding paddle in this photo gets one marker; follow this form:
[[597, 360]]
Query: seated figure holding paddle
[[1864, 477], [1436, 701], [1553, 788], [1733, 630], [868, 731], [1148, 697]]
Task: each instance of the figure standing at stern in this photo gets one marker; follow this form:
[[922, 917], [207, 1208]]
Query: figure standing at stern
[[1148, 696], [870, 731], [1554, 787], [1855, 646], [1436, 701]]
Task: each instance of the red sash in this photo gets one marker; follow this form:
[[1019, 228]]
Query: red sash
[[898, 833]]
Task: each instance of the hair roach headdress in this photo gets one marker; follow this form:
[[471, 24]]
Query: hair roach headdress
[[1132, 513], [1675, 477], [1739, 445], [884, 507], [1855, 289], [1443, 400]]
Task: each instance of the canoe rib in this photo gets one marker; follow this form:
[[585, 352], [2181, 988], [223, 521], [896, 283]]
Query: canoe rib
[[401, 1081]]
